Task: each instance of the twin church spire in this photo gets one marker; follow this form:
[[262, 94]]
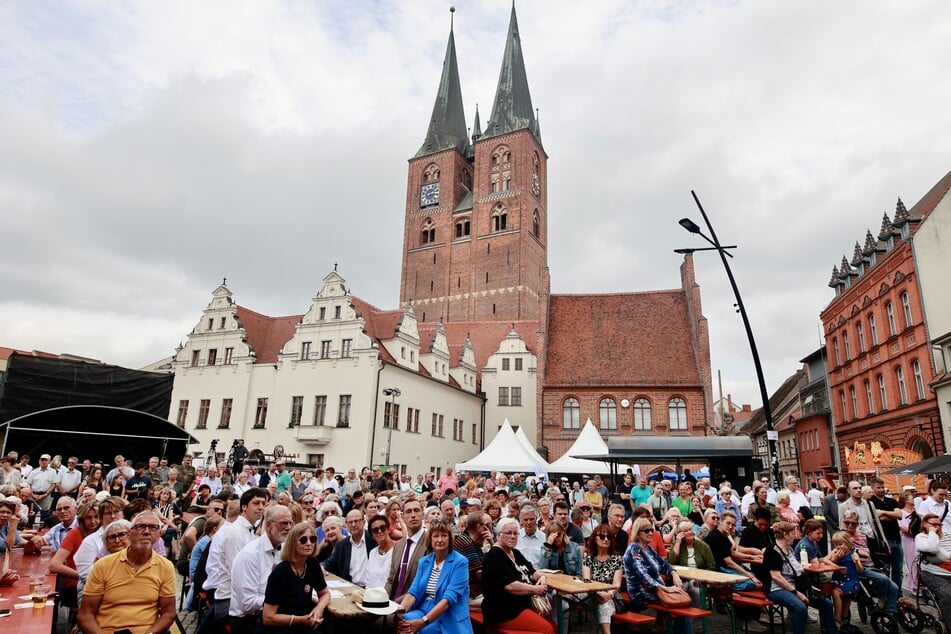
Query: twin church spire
[[512, 108]]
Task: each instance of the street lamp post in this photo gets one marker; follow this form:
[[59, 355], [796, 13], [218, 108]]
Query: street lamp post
[[392, 392], [771, 435]]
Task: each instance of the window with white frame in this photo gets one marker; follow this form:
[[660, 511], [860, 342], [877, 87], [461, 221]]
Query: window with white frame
[[919, 381], [882, 392], [902, 389], [906, 308], [571, 413], [608, 411], [677, 413], [642, 414]]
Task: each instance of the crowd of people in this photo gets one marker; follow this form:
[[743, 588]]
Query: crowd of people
[[255, 543]]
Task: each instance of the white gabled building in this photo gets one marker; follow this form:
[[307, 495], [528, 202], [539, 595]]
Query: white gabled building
[[313, 384]]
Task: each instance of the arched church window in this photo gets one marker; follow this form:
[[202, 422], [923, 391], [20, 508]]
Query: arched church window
[[536, 224], [499, 218], [463, 228], [571, 413], [428, 232], [431, 175], [642, 414], [677, 413], [608, 411]]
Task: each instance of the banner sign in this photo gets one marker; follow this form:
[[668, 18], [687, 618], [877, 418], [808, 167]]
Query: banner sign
[[872, 458]]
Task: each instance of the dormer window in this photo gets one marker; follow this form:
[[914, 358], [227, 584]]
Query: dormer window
[[211, 323], [222, 323], [336, 312], [196, 358], [322, 313]]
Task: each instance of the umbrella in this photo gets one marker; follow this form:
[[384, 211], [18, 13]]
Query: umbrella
[[935, 464]]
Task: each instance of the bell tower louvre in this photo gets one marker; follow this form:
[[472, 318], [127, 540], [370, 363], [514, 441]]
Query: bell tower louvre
[[475, 234]]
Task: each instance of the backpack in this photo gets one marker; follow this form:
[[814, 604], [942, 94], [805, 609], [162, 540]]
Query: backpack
[[914, 523]]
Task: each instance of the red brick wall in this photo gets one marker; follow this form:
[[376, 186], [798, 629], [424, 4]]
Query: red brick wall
[[900, 425], [558, 439], [491, 275]]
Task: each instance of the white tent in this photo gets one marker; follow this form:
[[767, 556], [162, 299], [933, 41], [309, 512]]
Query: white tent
[[504, 453], [541, 467], [588, 443]]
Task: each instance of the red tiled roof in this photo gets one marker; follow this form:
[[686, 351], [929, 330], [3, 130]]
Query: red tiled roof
[[485, 335], [380, 324], [267, 335], [930, 200], [6, 353], [636, 339]]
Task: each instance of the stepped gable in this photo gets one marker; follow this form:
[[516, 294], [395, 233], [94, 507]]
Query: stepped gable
[[486, 336], [266, 335], [638, 339]]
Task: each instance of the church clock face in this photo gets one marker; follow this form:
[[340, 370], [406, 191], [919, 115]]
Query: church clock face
[[429, 194]]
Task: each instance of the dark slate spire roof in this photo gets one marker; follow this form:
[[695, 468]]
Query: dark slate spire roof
[[447, 126], [857, 257], [476, 126], [901, 213], [512, 109], [844, 269], [870, 242], [887, 228], [835, 277]]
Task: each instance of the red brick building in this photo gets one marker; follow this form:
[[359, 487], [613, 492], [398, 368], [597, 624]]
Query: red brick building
[[877, 349], [475, 258]]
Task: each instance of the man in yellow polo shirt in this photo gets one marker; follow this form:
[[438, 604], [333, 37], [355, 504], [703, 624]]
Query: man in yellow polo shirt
[[132, 589]]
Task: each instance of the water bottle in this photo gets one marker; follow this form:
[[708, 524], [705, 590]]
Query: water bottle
[[803, 555], [37, 522]]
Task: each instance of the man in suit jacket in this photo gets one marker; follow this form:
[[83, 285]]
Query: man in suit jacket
[[416, 538], [830, 509], [350, 556]]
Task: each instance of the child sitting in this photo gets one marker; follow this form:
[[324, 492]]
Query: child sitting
[[846, 580]]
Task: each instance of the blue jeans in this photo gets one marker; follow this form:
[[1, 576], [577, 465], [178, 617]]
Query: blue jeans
[[882, 586], [743, 585], [799, 611], [898, 562]]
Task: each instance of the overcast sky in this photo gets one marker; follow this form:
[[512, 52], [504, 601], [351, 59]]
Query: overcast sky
[[148, 149]]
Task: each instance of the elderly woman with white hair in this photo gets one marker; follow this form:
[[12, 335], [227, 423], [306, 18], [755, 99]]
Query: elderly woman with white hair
[[728, 501]]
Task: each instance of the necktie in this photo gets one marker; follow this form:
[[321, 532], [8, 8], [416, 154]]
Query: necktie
[[404, 568]]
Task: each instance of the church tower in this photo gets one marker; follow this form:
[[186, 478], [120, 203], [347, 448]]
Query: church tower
[[475, 235]]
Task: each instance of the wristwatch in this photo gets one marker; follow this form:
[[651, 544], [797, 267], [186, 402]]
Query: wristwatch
[[426, 619]]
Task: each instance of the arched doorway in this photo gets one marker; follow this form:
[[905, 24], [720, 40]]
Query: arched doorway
[[922, 447]]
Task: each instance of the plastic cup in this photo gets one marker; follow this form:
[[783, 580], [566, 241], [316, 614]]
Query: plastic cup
[[40, 595]]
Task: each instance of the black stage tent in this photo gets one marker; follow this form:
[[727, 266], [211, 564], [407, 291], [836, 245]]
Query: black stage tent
[[89, 410], [95, 432], [730, 457]]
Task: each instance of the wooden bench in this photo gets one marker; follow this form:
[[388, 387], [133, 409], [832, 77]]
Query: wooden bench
[[757, 599], [478, 619], [632, 618]]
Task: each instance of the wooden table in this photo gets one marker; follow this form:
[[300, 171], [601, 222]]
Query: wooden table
[[711, 577], [565, 585], [345, 608], [26, 620]]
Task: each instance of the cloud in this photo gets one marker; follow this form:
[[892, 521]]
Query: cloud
[[154, 148]]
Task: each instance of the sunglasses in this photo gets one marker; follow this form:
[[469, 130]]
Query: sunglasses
[[378, 529], [648, 531], [604, 536], [307, 538]]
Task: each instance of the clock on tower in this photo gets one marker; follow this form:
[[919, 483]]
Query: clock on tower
[[429, 195]]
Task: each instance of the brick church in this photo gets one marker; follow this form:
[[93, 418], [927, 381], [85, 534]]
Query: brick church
[[475, 253], [478, 336]]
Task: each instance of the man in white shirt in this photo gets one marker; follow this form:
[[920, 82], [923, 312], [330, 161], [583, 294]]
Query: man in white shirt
[[213, 481], [25, 467], [70, 478], [226, 545], [43, 482], [121, 467], [937, 503], [251, 568], [330, 480], [350, 556], [796, 497], [814, 495], [530, 539]]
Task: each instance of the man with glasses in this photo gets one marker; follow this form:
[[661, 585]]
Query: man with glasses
[[469, 543], [616, 517], [530, 538], [251, 567], [351, 555], [42, 481], [797, 498], [193, 533], [228, 542], [937, 503], [66, 514], [132, 589], [70, 478]]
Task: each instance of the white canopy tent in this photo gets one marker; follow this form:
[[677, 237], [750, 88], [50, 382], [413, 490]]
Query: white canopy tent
[[505, 453], [588, 443], [541, 466]]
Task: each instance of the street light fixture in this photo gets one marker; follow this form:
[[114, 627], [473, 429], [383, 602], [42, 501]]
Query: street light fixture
[[771, 435], [392, 392]]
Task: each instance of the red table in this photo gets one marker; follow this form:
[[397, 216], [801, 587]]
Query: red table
[[27, 620]]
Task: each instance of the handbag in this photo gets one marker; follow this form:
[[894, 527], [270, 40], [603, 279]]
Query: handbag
[[620, 607], [541, 604], [674, 598]]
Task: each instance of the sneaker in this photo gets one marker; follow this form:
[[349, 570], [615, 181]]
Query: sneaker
[[813, 618], [756, 626]]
